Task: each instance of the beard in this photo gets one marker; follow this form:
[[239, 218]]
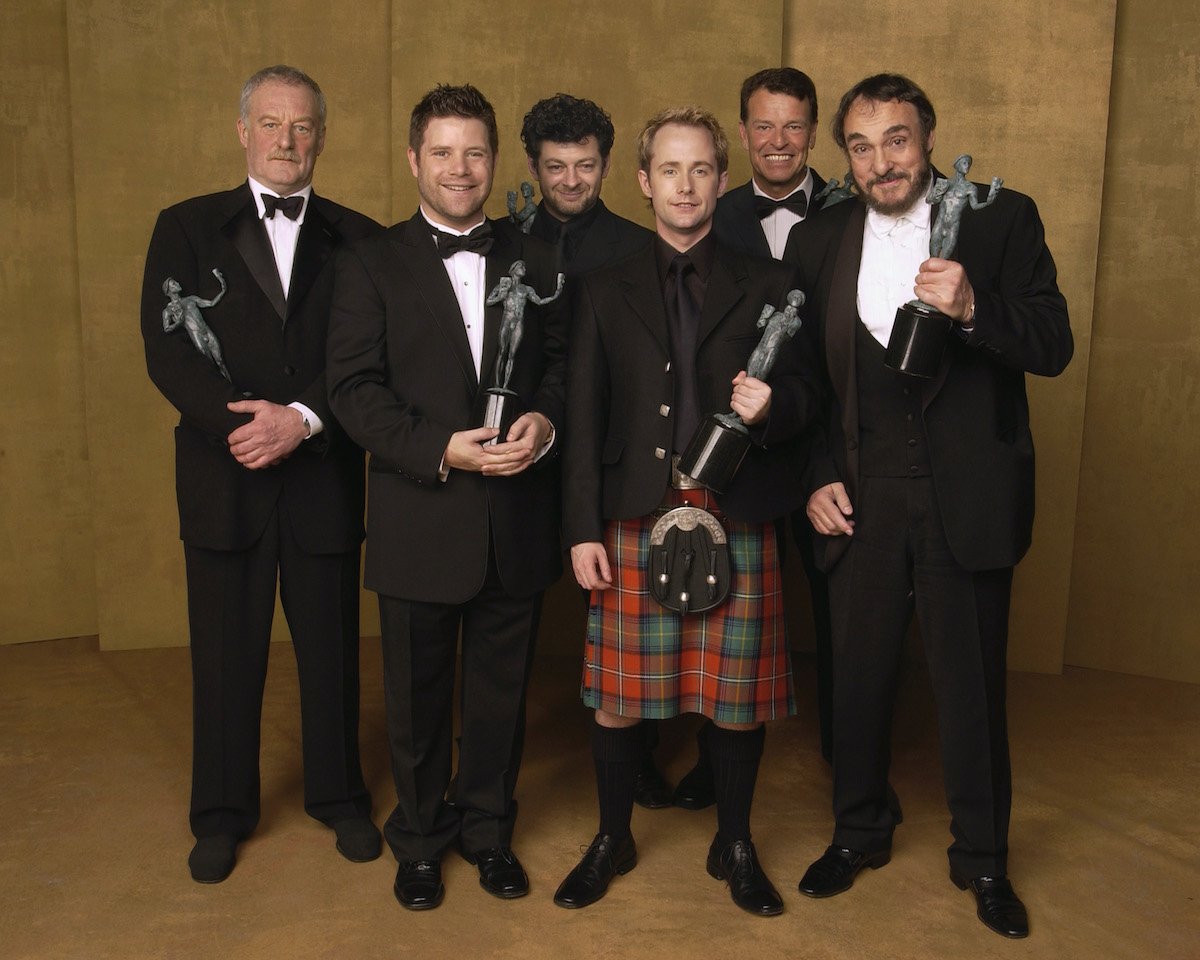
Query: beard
[[918, 184]]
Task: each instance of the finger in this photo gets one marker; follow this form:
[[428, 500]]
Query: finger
[[605, 570], [741, 376], [245, 406], [479, 434]]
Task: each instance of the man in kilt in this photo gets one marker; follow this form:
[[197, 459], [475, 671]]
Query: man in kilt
[[660, 339]]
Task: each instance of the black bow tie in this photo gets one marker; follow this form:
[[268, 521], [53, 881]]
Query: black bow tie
[[290, 207], [765, 206], [478, 241]]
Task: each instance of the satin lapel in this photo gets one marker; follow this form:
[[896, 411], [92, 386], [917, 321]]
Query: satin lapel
[[643, 292], [841, 315], [246, 232], [313, 249], [723, 293], [419, 254]]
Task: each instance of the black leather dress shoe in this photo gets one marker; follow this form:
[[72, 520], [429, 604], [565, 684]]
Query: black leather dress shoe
[[500, 872], [696, 791], [358, 839], [737, 864], [997, 904], [212, 858], [589, 881], [418, 884], [834, 871], [650, 790]]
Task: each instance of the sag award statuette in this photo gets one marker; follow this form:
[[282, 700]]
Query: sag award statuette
[[523, 218], [186, 311], [918, 337], [501, 401], [720, 442]]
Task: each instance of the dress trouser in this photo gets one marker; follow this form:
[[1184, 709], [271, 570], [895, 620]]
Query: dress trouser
[[897, 560], [231, 602], [420, 642], [818, 588]]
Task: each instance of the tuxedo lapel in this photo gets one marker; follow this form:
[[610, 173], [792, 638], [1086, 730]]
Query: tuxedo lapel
[[644, 294], [723, 293], [313, 248], [841, 316], [246, 232], [748, 223], [419, 255]]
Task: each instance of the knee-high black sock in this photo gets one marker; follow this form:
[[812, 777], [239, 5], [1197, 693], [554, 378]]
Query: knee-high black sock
[[735, 755], [618, 753]]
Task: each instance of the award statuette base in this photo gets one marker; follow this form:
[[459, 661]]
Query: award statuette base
[[918, 340], [716, 451], [502, 410]]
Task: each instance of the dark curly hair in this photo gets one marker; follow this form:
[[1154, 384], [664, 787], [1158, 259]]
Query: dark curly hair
[[563, 118], [445, 100], [884, 88]]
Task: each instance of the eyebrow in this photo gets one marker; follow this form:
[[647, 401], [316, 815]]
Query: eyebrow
[[893, 129]]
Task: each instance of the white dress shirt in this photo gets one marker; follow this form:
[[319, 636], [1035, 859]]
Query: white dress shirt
[[777, 225], [893, 250], [468, 276], [284, 234]]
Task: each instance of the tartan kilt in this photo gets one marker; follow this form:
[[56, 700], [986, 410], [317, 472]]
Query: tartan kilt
[[730, 664]]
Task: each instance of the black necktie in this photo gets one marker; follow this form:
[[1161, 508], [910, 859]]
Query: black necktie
[[290, 207], [478, 241], [765, 206], [685, 323]]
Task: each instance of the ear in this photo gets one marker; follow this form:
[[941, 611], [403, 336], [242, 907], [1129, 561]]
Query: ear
[[742, 134], [412, 162], [243, 133], [644, 183], [321, 141], [604, 167], [722, 184], [532, 164]]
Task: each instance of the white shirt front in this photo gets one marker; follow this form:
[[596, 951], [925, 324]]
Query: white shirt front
[[778, 224], [893, 250], [284, 234], [468, 276]]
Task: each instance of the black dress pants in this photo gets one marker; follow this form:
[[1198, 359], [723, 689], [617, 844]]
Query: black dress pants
[[898, 560], [231, 602], [419, 651]]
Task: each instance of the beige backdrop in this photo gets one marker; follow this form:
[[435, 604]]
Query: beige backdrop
[[113, 110]]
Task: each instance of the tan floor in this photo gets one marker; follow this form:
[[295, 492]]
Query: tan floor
[[94, 760]]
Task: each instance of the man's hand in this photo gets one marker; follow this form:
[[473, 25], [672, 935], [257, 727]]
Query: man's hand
[[829, 510], [751, 398], [271, 436], [589, 561], [944, 284], [520, 448], [465, 451]]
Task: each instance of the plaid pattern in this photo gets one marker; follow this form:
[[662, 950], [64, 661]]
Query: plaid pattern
[[730, 664]]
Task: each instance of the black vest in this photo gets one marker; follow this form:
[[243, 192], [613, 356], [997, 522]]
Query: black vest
[[891, 431]]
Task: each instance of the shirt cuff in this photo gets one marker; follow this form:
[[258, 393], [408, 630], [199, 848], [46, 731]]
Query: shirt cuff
[[548, 444], [311, 420]]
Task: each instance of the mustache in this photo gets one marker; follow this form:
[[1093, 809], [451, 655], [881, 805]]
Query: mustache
[[890, 177], [283, 155]]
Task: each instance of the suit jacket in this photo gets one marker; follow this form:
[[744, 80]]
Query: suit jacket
[[274, 350], [976, 414], [401, 381], [607, 239], [617, 462], [737, 224]]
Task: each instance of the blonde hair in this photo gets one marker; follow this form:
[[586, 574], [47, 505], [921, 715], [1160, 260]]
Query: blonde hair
[[689, 116]]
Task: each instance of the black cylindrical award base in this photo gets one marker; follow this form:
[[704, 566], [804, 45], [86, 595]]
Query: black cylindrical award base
[[715, 453], [501, 411], [918, 340]]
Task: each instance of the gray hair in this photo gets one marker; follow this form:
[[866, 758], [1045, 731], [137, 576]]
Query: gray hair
[[284, 74]]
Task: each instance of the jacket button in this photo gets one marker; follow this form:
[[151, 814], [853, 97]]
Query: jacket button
[[664, 410], [852, 444], [667, 368], [289, 370], [660, 453], [912, 443]]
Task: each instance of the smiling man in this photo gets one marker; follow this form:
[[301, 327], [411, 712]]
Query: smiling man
[[659, 340], [269, 487], [462, 535], [922, 493]]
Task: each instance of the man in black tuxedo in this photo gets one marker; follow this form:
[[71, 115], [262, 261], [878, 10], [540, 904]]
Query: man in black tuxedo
[[924, 495], [461, 533], [266, 481], [567, 144], [659, 340]]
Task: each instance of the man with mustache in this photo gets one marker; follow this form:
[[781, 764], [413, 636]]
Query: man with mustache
[[269, 487], [923, 494], [462, 535], [659, 340]]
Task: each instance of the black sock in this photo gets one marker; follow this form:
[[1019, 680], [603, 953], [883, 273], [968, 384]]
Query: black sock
[[734, 755], [618, 753]]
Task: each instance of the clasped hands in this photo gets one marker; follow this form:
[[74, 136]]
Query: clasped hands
[[517, 452]]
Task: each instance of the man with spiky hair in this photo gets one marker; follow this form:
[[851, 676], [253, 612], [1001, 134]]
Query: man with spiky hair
[[660, 339], [568, 141], [921, 491], [269, 487], [462, 523]]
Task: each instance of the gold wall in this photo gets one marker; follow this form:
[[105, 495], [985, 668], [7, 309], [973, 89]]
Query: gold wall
[[113, 110]]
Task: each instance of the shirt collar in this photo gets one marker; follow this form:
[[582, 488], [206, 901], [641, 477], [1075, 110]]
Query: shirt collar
[[700, 253], [453, 231], [882, 224], [806, 185], [257, 190]]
